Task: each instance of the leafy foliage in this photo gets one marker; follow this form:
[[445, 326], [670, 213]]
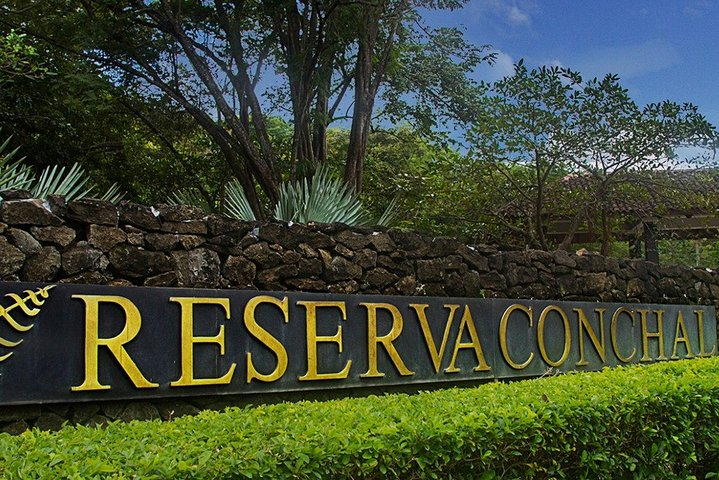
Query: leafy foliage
[[323, 199], [18, 58], [236, 204], [207, 61], [656, 421], [13, 174], [541, 127], [72, 183]]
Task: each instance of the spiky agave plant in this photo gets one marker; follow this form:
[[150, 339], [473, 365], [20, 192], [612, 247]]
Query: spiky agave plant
[[321, 199], [72, 183], [236, 203], [13, 174], [189, 197]]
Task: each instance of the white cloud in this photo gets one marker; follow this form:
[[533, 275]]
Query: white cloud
[[517, 16], [513, 13], [503, 67], [630, 60], [698, 8]]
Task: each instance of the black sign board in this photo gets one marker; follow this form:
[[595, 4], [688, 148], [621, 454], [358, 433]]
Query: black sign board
[[63, 342]]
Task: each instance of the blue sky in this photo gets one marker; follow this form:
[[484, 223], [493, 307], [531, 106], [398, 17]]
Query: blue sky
[[662, 50]]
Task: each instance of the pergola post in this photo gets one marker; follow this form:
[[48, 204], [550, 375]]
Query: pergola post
[[651, 248]]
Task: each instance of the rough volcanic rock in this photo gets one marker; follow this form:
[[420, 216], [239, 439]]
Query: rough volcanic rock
[[179, 213], [271, 276], [307, 284], [431, 270], [139, 411], [60, 236], [27, 212], [104, 237], [240, 271], [43, 266], [167, 279], [340, 268], [133, 262], [352, 240], [23, 240], [263, 255], [194, 227], [15, 194], [11, 258], [140, 216], [475, 259], [310, 267], [218, 225], [197, 268], [83, 258], [93, 211], [379, 278], [167, 242], [49, 422]]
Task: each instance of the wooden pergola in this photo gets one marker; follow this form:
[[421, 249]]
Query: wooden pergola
[[694, 216]]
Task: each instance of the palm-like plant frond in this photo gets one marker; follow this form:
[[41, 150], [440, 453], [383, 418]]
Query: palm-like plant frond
[[72, 183], [323, 199], [236, 203], [54, 180], [189, 197], [13, 174], [113, 194], [390, 214]]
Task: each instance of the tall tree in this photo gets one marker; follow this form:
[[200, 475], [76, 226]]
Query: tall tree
[[622, 146], [520, 135], [541, 127], [219, 61]]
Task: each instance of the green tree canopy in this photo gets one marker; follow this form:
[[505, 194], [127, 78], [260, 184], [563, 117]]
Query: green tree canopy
[[214, 60], [540, 127]]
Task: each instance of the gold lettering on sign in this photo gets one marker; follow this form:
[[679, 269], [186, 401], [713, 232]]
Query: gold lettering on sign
[[700, 326], [266, 338], [684, 338], [583, 325], [313, 339], [373, 340], [503, 335], [93, 342], [468, 324], [658, 335], [613, 333], [435, 355], [188, 341], [540, 336]]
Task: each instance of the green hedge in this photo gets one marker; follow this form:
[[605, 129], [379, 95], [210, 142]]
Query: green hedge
[[656, 421]]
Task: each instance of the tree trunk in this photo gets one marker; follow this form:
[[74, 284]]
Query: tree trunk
[[605, 233], [573, 227], [539, 204], [364, 102]]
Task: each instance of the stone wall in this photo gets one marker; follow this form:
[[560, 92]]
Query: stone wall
[[94, 242]]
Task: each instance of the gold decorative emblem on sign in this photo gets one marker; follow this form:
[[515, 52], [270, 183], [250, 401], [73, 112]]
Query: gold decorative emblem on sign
[[37, 298]]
